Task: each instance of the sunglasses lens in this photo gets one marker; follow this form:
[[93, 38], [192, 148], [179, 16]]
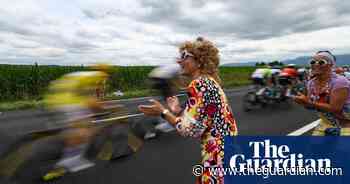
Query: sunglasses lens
[[320, 62]]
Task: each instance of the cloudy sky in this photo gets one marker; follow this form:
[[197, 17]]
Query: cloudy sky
[[139, 32]]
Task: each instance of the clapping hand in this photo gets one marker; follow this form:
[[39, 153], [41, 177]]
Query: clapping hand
[[155, 109], [302, 100], [174, 104]]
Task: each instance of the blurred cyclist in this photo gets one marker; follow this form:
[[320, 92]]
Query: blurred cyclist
[[260, 76], [74, 98], [340, 71], [275, 71], [288, 77], [262, 79], [266, 82], [302, 74], [164, 79]]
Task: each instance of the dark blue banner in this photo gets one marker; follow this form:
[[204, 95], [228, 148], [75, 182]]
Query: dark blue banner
[[287, 159]]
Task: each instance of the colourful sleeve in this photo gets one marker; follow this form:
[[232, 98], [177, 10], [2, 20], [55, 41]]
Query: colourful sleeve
[[194, 120]]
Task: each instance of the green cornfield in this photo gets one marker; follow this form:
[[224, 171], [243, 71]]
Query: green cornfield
[[235, 76], [22, 82], [30, 82]]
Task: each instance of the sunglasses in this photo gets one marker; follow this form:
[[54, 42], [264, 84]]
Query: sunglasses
[[184, 55], [319, 62]]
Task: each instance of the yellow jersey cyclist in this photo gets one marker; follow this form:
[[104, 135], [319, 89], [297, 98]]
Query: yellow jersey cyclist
[[74, 97]]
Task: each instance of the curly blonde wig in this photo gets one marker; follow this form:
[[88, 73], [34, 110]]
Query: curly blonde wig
[[206, 55]]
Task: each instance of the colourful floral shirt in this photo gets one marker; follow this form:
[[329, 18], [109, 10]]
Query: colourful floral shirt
[[207, 116]]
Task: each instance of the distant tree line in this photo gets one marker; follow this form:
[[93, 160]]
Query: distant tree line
[[272, 63], [30, 82]]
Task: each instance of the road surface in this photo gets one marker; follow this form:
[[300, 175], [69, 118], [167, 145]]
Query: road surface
[[169, 157]]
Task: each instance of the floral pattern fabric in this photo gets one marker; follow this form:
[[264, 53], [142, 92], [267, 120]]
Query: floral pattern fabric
[[208, 116]]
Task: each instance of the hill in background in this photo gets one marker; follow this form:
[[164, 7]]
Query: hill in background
[[341, 60]]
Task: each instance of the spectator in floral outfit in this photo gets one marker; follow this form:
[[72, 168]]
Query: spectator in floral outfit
[[207, 114]]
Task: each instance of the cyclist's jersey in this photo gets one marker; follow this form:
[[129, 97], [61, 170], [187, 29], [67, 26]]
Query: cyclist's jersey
[[275, 71], [289, 72], [262, 73], [74, 89]]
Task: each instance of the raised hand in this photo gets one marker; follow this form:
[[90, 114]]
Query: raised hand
[[155, 109], [174, 104]]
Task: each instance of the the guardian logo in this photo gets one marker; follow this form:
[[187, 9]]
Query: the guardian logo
[[267, 155]]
